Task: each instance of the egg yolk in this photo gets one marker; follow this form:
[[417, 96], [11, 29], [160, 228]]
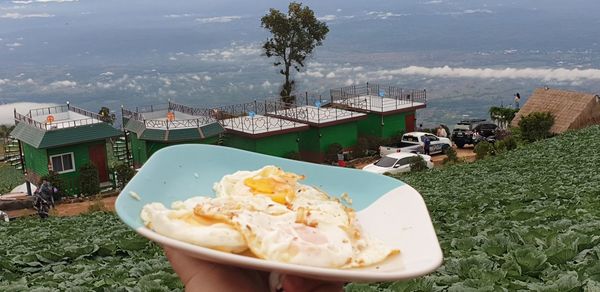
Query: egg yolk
[[274, 183]]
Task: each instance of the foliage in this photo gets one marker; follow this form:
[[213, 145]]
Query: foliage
[[5, 130], [451, 156], [417, 163], [536, 126], [124, 174], [293, 38], [332, 151], [524, 220], [106, 116], [89, 180], [483, 149], [507, 144], [94, 252], [361, 148], [10, 178], [502, 115]]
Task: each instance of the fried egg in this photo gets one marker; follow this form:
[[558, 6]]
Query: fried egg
[[274, 216], [182, 224], [269, 181], [280, 238]]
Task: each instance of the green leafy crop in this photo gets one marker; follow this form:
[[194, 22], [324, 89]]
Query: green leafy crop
[[524, 220]]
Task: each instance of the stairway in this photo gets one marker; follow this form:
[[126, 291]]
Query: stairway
[[120, 150], [11, 153]]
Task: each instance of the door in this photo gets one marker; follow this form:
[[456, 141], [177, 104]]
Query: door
[[409, 121], [98, 158]]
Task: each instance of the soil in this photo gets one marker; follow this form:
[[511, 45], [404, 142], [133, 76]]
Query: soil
[[70, 209]]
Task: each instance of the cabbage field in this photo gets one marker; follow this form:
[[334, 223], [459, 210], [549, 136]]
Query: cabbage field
[[525, 220]]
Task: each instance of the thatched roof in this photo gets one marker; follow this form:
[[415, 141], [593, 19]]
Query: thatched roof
[[571, 109]]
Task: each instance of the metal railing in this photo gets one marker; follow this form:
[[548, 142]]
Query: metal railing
[[375, 97], [92, 118], [202, 116], [253, 117]]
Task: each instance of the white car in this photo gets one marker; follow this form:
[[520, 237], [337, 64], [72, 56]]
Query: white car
[[396, 163]]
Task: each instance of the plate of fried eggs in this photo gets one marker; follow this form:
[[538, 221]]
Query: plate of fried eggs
[[267, 213]]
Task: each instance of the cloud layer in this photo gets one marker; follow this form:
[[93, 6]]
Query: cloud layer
[[560, 74]]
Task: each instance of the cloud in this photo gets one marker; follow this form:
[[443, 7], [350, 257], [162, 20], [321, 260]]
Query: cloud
[[218, 19], [108, 73], [14, 45], [385, 15], [468, 11], [16, 15], [559, 74], [62, 84], [232, 52], [266, 84], [178, 15], [6, 110], [434, 2], [330, 75], [42, 1], [328, 17]]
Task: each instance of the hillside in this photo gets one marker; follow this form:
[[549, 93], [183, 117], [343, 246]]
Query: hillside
[[525, 220]]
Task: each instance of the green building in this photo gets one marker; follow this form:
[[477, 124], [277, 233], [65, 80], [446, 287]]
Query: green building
[[63, 139], [249, 127], [151, 129], [327, 125], [390, 110]]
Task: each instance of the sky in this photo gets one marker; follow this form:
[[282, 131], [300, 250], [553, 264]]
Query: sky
[[468, 54]]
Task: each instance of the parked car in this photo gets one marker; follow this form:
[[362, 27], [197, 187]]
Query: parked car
[[413, 142], [472, 131], [396, 163]]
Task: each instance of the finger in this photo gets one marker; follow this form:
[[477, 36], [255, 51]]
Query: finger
[[294, 283], [199, 275]]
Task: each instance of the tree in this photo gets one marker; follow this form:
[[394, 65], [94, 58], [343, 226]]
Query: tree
[[293, 38], [106, 116], [536, 126]]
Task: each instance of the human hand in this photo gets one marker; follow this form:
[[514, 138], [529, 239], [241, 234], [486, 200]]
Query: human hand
[[199, 275]]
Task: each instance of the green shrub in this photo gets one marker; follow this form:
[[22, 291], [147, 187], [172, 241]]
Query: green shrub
[[10, 177], [124, 174], [361, 148], [89, 182], [536, 126], [483, 149], [417, 163], [507, 144], [332, 152], [451, 156]]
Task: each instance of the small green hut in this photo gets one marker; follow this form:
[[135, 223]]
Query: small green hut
[[390, 110], [328, 125], [62, 139], [151, 129], [250, 127]]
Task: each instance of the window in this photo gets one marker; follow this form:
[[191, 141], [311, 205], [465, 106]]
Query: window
[[386, 162], [62, 163], [405, 161]]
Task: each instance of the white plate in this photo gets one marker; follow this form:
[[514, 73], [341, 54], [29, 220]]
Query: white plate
[[388, 209]]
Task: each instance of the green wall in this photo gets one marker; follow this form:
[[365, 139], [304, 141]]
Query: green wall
[[81, 156], [314, 142], [143, 149], [36, 160], [277, 145], [138, 150], [392, 125]]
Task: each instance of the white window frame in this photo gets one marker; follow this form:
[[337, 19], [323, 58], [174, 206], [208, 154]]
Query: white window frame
[[62, 154]]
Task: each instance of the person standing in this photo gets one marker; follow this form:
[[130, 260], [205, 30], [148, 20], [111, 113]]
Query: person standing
[[441, 132], [517, 100], [426, 144]]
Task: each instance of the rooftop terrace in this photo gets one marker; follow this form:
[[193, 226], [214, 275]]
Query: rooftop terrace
[[377, 98], [58, 117]]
